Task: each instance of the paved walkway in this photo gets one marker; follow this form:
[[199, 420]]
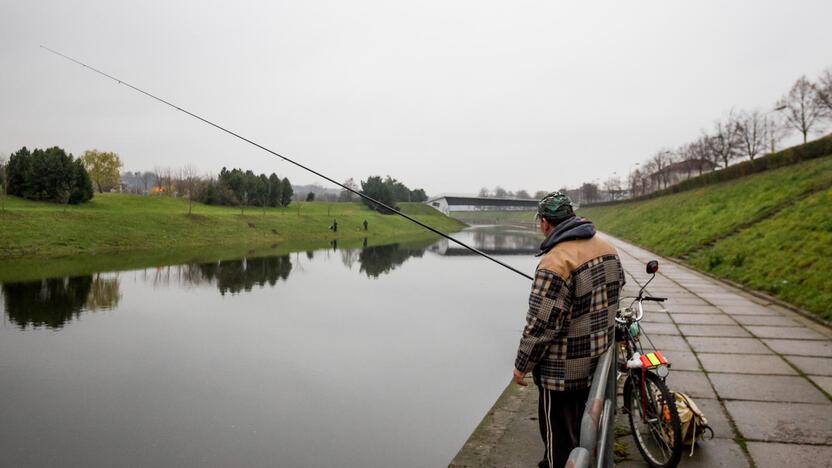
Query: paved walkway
[[762, 375]]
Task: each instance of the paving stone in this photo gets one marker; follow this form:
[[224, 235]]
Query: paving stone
[[812, 365], [703, 344], [772, 455], [746, 310], [801, 347], [716, 453], [693, 309], [714, 330], [694, 384], [656, 317], [704, 319], [800, 423], [717, 418], [823, 381], [767, 364], [800, 333], [660, 329], [773, 320], [781, 388], [665, 343], [677, 300], [682, 360]]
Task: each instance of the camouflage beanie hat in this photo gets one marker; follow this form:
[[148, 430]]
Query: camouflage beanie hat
[[555, 206]]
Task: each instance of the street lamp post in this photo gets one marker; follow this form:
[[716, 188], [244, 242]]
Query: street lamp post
[[770, 127]]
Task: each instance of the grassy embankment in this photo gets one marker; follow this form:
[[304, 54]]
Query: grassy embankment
[[141, 231], [770, 231]]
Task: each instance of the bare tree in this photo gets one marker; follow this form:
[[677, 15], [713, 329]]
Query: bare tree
[[540, 194], [661, 162], [188, 182], [634, 181], [168, 178], [523, 195], [751, 130], [3, 183], [801, 108], [724, 143], [647, 186], [500, 192], [346, 195], [689, 155], [589, 192], [613, 187], [823, 92], [157, 178], [483, 192]]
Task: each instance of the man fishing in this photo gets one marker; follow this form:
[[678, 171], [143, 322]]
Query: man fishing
[[570, 322]]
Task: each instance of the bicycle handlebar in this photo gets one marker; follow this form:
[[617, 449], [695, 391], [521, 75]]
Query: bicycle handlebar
[[654, 299]]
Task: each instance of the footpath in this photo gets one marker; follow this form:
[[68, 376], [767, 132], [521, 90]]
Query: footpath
[[762, 374]]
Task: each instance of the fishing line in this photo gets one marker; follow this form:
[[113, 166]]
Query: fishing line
[[237, 135]]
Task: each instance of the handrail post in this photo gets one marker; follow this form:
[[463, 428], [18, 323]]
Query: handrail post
[[599, 415]]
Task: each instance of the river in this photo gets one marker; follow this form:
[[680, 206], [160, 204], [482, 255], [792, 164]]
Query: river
[[384, 356]]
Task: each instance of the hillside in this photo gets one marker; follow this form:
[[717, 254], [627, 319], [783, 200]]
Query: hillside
[[117, 223], [770, 231]]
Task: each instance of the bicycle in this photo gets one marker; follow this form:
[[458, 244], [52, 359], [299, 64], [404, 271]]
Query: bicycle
[[650, 406]]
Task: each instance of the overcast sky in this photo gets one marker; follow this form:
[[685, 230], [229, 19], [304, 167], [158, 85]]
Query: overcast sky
[[446, 95]]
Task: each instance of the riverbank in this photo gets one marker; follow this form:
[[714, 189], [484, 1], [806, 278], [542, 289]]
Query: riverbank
[[121, 224]]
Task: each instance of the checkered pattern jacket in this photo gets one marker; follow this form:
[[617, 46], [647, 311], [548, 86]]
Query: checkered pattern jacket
[[571, 314]]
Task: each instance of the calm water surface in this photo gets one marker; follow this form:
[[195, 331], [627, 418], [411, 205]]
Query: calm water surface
[[383, 356]]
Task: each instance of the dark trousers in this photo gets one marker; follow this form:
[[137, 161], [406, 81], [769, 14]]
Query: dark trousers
[[559, 415]]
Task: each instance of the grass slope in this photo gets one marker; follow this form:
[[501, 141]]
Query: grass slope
[[116, 223], [789, 255], [737, 230]]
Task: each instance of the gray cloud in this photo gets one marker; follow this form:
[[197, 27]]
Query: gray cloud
[[449, 96]]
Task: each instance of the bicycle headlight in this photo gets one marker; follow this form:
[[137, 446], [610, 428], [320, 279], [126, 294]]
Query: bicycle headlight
[[662, 370]]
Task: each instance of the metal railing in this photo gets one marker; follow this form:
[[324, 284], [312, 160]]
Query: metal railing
[[598, 422]]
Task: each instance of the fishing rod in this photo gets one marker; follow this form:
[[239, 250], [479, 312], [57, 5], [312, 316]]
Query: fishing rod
[[274, 153]]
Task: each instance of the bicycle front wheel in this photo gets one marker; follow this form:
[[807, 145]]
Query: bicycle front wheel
[[653, 420]]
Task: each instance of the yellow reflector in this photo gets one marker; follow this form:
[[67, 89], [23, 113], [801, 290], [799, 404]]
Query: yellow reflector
[[653, 359]]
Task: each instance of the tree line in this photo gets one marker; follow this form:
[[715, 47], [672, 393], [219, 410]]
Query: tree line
[[739, 135], [53, 175], [387, 190], [243, 188]]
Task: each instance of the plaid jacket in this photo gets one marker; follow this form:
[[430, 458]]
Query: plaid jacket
[[571, 314]]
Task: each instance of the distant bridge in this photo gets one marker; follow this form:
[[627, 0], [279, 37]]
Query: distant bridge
[[448, 203]]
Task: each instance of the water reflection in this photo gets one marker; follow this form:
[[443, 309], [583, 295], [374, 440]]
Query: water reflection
[[53, 302], [492, 242], [383, 259], [235, 276]]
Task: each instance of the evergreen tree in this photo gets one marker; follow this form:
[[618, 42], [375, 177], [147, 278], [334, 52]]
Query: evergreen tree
[[375, 188], [275, 188], [286, 192]]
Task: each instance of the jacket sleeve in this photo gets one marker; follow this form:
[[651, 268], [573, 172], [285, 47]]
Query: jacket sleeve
[[549, 301]]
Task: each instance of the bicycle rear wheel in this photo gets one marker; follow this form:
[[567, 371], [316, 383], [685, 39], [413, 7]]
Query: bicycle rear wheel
[[653, 420]]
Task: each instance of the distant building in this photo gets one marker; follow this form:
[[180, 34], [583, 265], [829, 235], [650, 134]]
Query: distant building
[[448, 203]]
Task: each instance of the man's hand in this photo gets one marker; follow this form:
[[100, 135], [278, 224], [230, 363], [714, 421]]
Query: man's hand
[[518, 378]]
